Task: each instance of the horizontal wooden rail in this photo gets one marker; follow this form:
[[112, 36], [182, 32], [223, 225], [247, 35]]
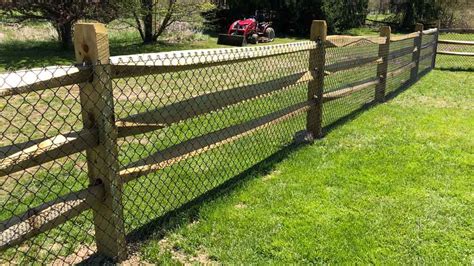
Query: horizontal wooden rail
[[455, 53], [456, 42], [126, 129], [404, 37], [206, 103], [457, 30], [430, 31], [352, 63], [198, 145], [25, 81], [402, 52], [46, 216], [345, 40], [401, 70], [350, 89], [426, 56], [36, 152], [428, 45], [169, 62]]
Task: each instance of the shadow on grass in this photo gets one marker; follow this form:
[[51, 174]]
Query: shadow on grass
[[19, 55], [32, 54], [189, 212], [403, 87], [456, 69]]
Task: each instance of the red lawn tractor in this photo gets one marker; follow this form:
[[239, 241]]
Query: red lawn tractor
[[251, 30]]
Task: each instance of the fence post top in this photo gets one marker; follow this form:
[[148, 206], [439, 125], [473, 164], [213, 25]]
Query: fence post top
[[91, 43], [385, 31], [419, 27], [318, 30]]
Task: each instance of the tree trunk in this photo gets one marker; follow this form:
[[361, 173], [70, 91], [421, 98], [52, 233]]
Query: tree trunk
[[65, 34], [147, 6], [166, 20]]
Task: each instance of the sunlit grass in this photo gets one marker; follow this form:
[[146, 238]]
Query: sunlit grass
[[393, 186]]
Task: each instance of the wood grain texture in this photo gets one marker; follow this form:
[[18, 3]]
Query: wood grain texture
[[36, 152], [455, 53], [47, 216], [456, 42], [347, 41], [348, 90], [209, 102], [404, 37], [384, 50], [317, 61], [26, 81], [169, 62], [97, 102]]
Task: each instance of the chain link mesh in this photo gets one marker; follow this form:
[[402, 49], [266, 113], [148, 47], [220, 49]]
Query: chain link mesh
[[463, 61], [185, 123], [30, 123]]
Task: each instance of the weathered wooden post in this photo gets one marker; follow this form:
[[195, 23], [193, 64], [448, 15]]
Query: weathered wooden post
[[317, 59], [92, 48], [417, 54], [384, 50], [435, 46]]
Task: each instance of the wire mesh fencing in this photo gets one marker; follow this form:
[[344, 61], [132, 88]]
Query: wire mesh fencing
[[456, 49], [93, 154]]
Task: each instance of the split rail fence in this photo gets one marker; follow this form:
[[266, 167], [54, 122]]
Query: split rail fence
[[456, 49], [93, 155]]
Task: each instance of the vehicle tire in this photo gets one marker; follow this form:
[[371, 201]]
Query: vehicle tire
[[253, 39], [270, 34]]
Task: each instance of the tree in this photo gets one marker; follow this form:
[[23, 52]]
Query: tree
[[152, 17], [409, 12], [62, 14], [345, 14]]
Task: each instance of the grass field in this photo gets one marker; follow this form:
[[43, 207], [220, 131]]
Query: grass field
[[42, 50], [50, 112], [392, 186], [456, 62]]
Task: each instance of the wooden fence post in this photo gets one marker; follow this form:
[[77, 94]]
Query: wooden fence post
[[314, 119], [384, 50], [92, 48], [435, 46], [417, 54]]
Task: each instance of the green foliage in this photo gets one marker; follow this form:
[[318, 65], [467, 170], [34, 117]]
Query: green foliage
[[413, 11], [409, 12], [152, 18], [345, 14], [61, 14]]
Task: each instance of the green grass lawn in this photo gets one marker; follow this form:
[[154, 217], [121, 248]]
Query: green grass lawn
[[39, 53], [145, 199], [392, 186], [456, 62]]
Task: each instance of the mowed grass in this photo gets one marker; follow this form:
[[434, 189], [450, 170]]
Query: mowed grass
[[392, 186], [39, 53], [144, 197], [456, 62]]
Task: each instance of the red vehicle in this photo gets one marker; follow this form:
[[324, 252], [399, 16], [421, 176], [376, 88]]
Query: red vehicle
[[251, 30]]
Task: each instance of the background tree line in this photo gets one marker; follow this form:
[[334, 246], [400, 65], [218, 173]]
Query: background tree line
[[295, 16], [151, 18]]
